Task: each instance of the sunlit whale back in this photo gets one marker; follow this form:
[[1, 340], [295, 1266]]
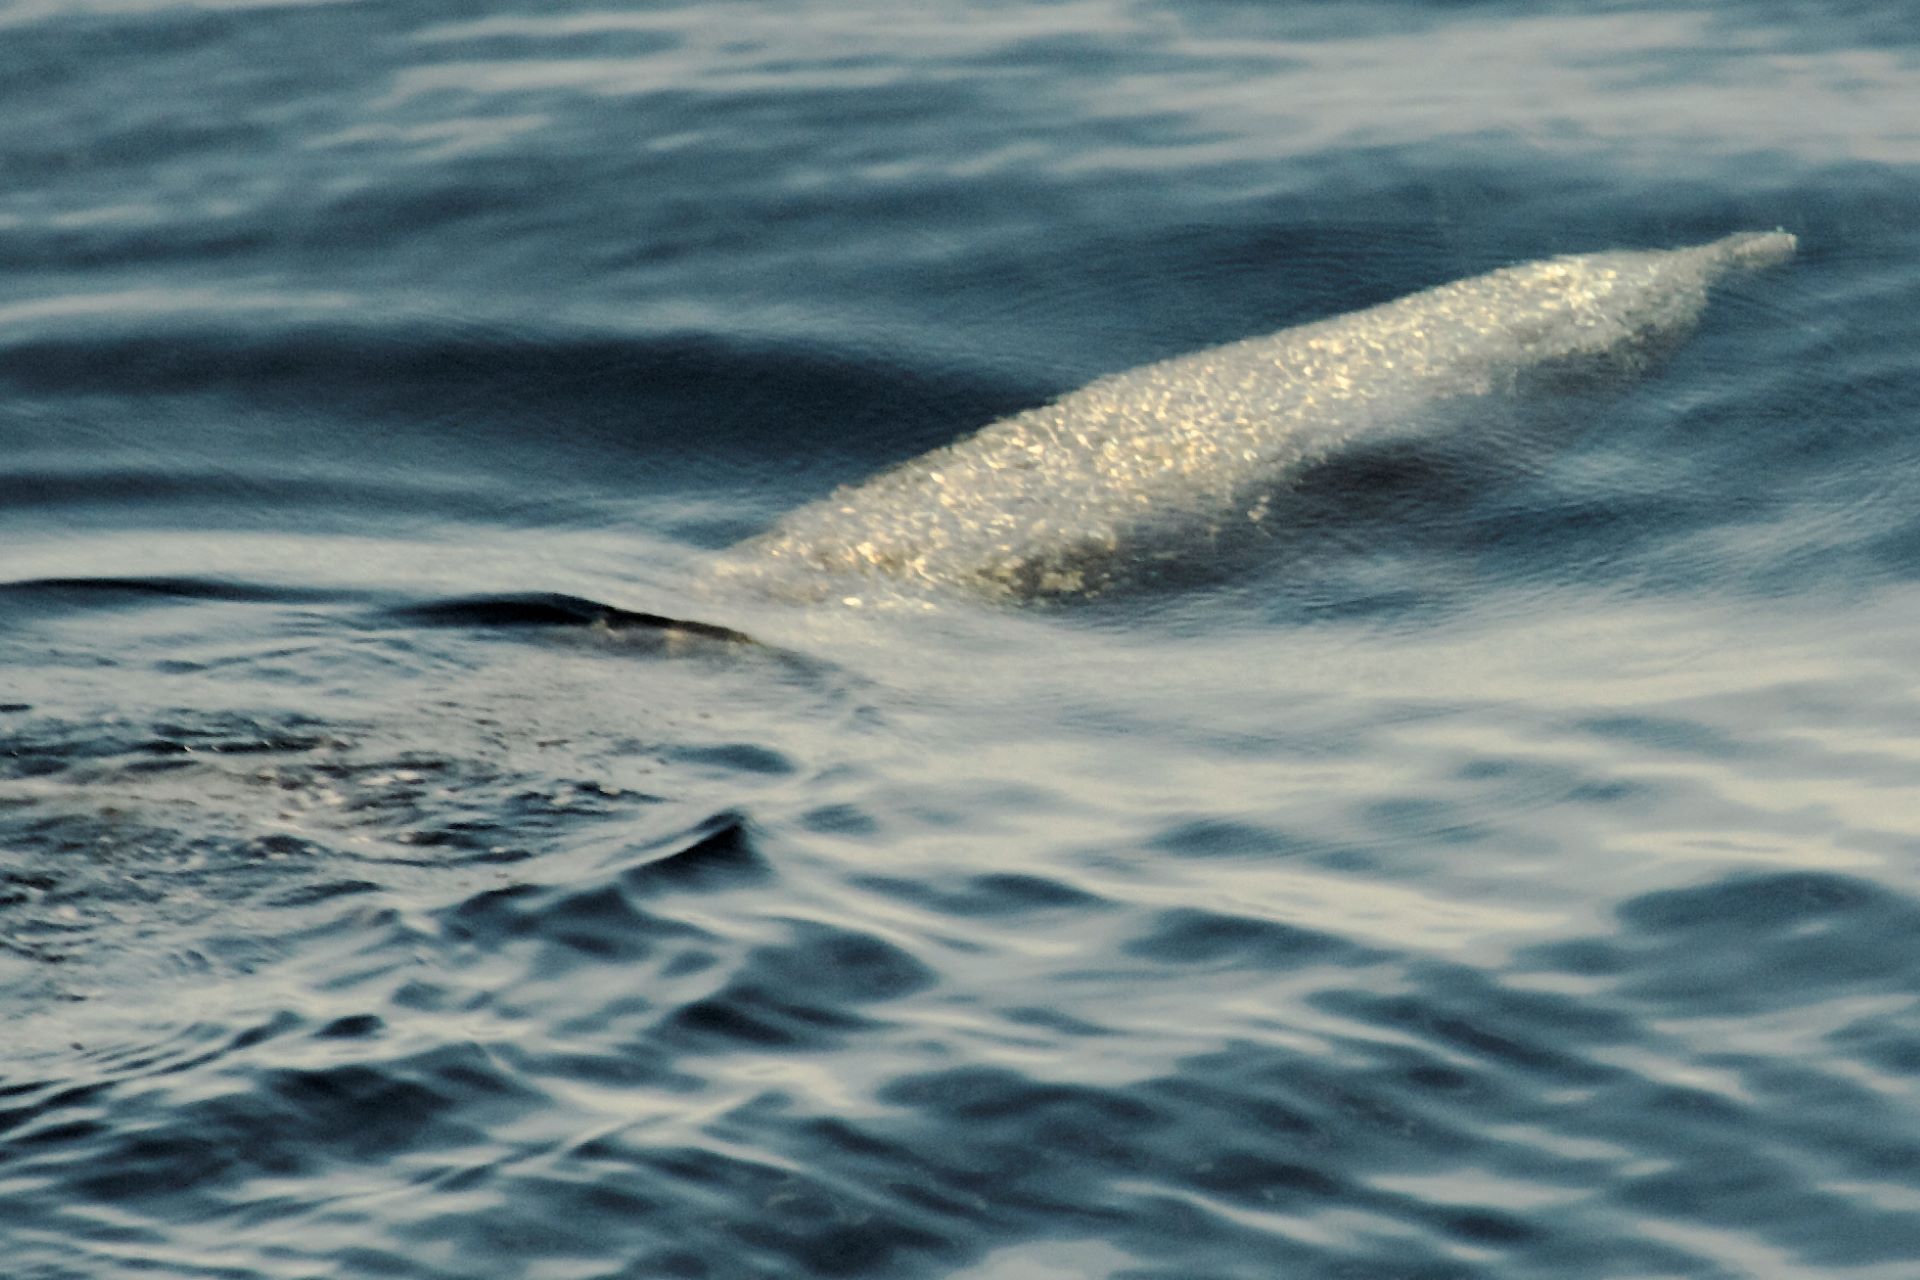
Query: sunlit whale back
[[1058, 499]]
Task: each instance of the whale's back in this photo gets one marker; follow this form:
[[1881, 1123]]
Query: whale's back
[[1061, 498]]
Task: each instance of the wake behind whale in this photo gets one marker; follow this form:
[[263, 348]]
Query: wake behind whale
[[1065, 498]]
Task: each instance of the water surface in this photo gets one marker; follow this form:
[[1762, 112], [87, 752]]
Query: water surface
[[1508, 872]]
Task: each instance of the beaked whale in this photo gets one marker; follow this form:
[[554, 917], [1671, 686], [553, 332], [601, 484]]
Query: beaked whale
[[1056, 500]]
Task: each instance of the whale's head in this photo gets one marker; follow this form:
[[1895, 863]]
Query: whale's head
[[1752, 250], [1601, 311]]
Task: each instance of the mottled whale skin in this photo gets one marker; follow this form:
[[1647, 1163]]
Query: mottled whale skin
[[1056, 500]]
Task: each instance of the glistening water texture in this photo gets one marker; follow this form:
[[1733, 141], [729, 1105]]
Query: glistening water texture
[[1502, 866]]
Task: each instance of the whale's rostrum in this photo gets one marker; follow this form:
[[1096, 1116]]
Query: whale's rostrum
[[1057, 499]]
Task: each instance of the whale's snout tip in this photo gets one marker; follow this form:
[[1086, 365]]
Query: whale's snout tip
[[1753, 250]]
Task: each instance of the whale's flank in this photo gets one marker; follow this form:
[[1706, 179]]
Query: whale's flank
[[1054, 500]]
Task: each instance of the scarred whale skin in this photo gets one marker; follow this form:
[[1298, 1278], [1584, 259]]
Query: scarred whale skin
[[1053, 501]]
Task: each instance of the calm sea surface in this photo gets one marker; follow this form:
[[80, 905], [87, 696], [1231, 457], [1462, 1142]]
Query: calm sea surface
[[1511, 872]]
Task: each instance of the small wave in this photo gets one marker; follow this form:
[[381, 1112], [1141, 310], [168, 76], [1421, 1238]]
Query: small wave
[[552, 609], [43, 596]]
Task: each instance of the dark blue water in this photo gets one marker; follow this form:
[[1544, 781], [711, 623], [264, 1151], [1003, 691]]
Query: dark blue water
[[1514, 873]]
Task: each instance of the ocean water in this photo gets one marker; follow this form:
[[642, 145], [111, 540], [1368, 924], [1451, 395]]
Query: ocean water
[[1512, 870]]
